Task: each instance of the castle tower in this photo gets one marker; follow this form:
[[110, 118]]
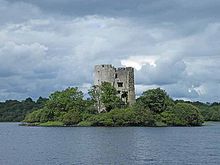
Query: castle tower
[[121, 78]]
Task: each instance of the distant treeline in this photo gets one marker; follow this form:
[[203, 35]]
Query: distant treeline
[[14, 110], [69, 108], [210, 111]]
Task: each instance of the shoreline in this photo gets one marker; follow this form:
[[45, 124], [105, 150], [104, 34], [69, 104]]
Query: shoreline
[[57, 125]]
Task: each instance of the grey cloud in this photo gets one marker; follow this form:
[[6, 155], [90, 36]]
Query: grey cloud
[[160, 10], [168, 70], [17, 12], [50, 45]]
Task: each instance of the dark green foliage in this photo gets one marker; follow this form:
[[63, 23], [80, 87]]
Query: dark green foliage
[[33, 117], [106, 94], [156, 100], [68, 99], [122, 117], [64, 106], [13, 110], [116, 117], [41, 115], [211, 113], [109, 96], [67, 107], [153, 108], [144, 116], [71, 118], [41, 102], [47, 115], [183, 114]]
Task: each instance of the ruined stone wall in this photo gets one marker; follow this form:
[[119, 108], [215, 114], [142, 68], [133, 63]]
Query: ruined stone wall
[[122, 79], [131, 88], [104, 73]]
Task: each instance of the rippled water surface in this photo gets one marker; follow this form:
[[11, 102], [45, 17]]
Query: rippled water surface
[[129, 145]]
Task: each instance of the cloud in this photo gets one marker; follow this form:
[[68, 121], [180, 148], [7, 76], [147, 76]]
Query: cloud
[[185, 67], [138, 61], [17, 12], [59, 52], [47, 46]]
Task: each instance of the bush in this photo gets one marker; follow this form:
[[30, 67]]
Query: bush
[[84, 124], [122, 117], [52, 124], [183, 114], [211, 113], [71, 118], [33, 116], [153, 108], [157, 100], [144, 117], [41, 115]]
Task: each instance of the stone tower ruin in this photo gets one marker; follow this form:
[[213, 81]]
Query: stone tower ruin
[[121, 78]]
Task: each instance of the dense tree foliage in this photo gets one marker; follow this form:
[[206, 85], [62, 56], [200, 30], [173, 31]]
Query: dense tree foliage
[[153, 108], [64, 106], [109, 96], [105, 96], [120, 117], [13, 110], [183, 114], [68, 107], [71, 118], [156, 100], [68, 99], [210, 112]]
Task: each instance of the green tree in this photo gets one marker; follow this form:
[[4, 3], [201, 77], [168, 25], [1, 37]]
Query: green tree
[[143, 115], [109, 96], [46, 115], [34, 116], [41, 102], [95, 94], [183, 114], [215, 112], [13, 110], [105, 95], [70, 98], [71, 118], [41, 115], [156, 100]]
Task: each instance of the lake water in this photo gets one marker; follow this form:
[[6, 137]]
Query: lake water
[[21, 145]]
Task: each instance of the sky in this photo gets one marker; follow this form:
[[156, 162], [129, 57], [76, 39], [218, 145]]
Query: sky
[[49, 45]]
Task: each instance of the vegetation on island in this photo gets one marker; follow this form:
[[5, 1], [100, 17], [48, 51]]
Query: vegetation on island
[[153, 108], [69, 108]]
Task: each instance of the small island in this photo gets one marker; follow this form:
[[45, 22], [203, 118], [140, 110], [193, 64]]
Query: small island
[[112, 103], [153, 108]]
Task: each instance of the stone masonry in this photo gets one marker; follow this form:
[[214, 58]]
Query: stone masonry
[[121, 78]]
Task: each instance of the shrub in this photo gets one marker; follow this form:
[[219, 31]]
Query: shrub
[[51, 124], [84, 124], [157, 100], [71, 118], [183, 114]]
